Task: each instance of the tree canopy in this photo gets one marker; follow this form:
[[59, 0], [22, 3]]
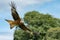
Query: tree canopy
[[40, 23]]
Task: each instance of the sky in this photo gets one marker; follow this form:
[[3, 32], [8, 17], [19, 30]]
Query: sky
[[51, 7]]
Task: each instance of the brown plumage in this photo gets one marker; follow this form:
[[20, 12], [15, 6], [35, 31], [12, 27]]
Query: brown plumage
[[17, 19]]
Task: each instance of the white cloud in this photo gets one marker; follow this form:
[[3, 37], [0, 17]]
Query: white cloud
[[22, 3], [26, 2], [6, 37], [32, 1], [4, 4]]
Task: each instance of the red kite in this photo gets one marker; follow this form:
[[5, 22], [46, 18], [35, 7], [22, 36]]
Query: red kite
[[17, 20]]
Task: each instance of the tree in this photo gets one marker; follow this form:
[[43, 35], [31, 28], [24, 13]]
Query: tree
[[39, 23]]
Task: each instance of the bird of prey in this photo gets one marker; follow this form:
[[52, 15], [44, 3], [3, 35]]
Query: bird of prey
[[17, 20]]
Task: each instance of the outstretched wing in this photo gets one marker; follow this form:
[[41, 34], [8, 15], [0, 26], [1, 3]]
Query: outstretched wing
[[14, 12]]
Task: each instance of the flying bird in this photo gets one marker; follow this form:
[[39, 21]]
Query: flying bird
[[17, 20]]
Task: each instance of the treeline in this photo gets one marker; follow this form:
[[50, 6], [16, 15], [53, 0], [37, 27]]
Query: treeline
[[40, 23]]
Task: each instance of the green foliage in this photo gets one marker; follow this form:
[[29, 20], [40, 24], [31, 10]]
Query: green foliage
[[53, 33], [40, 23]]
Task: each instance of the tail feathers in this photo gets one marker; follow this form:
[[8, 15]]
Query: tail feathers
[[12, 23]]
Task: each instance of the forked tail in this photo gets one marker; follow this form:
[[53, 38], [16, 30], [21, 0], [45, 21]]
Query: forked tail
[[12, 23]]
